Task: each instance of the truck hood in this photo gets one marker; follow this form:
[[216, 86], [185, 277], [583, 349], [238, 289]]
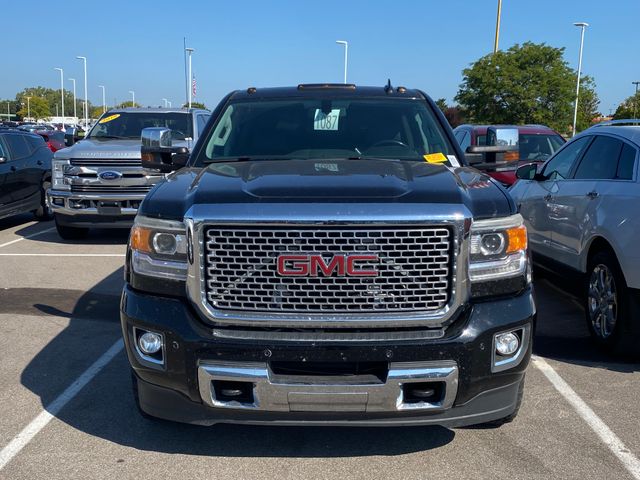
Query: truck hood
[[105, 148], [254, 188]]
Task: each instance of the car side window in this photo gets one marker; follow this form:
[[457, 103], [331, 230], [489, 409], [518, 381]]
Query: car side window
[[465, 142], [600, 162], [202, 122], [560, 165], [18, 146], [626, 162], [3, 152]]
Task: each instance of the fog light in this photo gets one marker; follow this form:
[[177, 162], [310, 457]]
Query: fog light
[[150, 343], [507, 343]]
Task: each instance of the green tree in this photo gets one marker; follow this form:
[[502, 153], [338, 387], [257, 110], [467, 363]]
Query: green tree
[[37, 106], [628, 108], [53, 98], [529, 83], [195, 105], [128, 104], [442, 104]]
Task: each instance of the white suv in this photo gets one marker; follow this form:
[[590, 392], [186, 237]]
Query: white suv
[[582, 210]]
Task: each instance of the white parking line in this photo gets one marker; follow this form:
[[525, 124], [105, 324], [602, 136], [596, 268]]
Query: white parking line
[[26, 237], [610, 439], [26, 435], [62, 255]]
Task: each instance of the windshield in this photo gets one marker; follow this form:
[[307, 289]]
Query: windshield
[[130, 124], [539, 147], [326, 128]]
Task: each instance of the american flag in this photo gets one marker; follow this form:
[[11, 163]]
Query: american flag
[[193, 85]]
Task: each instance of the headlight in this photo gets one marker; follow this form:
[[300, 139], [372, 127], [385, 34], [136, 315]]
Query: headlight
[[498, 253], [159, 248], [58, 168]]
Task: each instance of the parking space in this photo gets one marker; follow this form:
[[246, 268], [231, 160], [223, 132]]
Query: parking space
[[59, 314]]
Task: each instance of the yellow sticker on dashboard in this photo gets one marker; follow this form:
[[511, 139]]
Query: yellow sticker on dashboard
[[109, 118], [435, 157]]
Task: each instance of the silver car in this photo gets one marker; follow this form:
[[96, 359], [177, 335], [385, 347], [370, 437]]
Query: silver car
[[582, 210]]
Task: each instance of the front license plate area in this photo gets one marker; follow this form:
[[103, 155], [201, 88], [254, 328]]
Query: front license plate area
[[109, 208]]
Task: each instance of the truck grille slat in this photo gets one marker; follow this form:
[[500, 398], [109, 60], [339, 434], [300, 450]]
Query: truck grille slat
[[115, 189], [106, 162], [414, 269]]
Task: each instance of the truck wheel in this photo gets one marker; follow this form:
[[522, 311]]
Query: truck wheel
[[70, 233], [607, 304], [136, 397], [511, 417], [44, 211]]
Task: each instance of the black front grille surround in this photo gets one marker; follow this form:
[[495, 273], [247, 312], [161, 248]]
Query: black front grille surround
[[414, 269]]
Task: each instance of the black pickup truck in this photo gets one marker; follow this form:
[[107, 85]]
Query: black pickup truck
[[326, 257]]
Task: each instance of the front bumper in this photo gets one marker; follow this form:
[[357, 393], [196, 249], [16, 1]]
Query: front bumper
[[76, 209], [197, 363]]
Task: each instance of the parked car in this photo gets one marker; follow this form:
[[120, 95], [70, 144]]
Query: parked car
[[326, 258], [536, 144], [100, 181], [55, 140], [581, 209], [25, 174]]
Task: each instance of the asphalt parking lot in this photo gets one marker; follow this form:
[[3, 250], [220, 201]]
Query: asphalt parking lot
[[66, 409]]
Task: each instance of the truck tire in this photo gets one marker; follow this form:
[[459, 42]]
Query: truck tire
[[70, 233], [608, 305], [44, 213], [511, 417]]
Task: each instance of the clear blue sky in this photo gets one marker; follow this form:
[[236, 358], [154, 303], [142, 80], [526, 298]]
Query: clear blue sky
[[137, 45]]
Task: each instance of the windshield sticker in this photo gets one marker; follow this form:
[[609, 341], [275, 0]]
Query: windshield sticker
[[330, 167], [435, 157], [453, 161], [109, 118], [326, 121]]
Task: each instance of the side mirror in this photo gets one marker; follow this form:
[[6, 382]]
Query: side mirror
[[3, 159], [70, 136], [158, 153], [527, 172]]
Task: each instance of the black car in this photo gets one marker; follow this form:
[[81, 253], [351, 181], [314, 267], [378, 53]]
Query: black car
[[25, 174], [324, 256]]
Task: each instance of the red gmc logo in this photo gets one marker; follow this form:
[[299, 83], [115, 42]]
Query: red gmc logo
[[314, 265]]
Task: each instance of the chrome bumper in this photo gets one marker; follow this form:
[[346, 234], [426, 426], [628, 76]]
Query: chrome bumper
[[294, 393], [71, 203]]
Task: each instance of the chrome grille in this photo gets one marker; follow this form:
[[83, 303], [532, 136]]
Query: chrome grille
[[115, 189], [106, 162], [414, 269]]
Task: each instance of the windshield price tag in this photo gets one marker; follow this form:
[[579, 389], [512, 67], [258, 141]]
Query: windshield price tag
[[109, 118], [324, 121]]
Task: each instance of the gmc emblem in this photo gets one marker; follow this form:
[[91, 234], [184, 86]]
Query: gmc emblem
[[314, 265]]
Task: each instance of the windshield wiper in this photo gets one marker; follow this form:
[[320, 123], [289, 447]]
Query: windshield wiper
[[244, 159]]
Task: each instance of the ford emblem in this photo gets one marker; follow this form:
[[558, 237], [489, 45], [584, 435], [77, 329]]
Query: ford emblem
[[110, 175]]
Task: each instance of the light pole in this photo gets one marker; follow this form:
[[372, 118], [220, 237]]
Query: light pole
[[28, 107], [495, 43], [73, 80], [165, 102], [583, 26], [86, 105], [189, 52], [104, 101], [169, 102], [133, 98], [635, 99], [346, 52], [61, 92], [8, 113]]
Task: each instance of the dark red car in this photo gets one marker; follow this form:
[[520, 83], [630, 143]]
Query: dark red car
[[53, 138], [536, 144]]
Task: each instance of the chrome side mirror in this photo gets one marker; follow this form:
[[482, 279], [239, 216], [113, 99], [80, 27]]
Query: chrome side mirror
[[157, 152], [3, 159], [156, 138], [70, 136]]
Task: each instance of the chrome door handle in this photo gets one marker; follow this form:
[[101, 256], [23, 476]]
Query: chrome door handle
[[592, 195]]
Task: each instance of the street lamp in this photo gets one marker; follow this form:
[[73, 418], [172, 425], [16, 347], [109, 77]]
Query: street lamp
[[28, 107], [73, 80], [189, 52], [346, 50], [133, 98], [495, 43], [86, 106], [61, 92], [104, 102], [635, 99], [583, 26]]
